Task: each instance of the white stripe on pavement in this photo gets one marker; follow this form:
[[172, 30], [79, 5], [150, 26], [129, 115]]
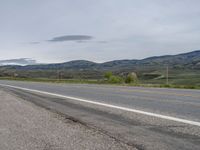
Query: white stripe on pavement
[[109, 105]]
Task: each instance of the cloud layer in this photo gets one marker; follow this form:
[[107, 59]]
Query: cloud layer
[[71, 38], [33, 43], [103, 30], [20, 61]]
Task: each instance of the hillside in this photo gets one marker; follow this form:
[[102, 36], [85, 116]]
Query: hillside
[[147, 69], [186, 60]]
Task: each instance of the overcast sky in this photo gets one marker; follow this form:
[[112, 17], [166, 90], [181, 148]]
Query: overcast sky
[[97, 30]]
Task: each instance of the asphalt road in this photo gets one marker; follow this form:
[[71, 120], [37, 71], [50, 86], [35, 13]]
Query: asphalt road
[[25, 126], [139, 130]]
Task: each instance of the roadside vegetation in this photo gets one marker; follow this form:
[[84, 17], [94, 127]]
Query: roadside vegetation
[[176, 71], [176, 80]]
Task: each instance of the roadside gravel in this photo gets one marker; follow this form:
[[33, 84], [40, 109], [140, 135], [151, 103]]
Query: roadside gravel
[[25, 126]]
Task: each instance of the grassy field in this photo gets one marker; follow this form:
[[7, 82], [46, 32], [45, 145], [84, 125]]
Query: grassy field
[[177, 79], [174, 82]]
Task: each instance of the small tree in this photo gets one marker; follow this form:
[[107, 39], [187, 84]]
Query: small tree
[[131, 78], [107, 75]]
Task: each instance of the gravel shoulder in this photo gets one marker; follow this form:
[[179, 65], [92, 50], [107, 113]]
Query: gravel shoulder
[[25, 126]]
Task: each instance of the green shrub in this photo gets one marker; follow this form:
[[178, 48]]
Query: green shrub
[[115, 79], [107, 75], [131, 78]]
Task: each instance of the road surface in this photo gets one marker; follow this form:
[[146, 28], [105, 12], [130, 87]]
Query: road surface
[[25, 126], [145, 118]]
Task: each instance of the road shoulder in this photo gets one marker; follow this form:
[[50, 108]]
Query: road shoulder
[[23, 125]]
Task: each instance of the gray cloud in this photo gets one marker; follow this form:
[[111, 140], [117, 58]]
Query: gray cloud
[[102, 42], [77, 38], [33, 43], [97, 30]]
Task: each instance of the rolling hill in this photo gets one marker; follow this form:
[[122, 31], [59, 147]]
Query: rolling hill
[[147, 69]]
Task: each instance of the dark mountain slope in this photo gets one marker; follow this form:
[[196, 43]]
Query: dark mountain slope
[[88, 69], [185, 60], [72, 65], [191, 59]]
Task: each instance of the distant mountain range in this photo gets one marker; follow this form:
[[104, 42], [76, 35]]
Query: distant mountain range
[[89, 69], [185, 60]]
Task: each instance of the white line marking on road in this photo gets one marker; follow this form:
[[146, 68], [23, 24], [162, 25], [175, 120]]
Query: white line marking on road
[[110, 106]]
